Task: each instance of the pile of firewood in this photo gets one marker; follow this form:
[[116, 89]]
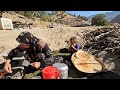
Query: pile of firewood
[[104, 42]]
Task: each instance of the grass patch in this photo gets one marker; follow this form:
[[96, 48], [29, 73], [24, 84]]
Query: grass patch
[[57, 53]]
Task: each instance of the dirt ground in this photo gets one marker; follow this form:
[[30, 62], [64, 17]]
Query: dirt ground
[[55, 37]]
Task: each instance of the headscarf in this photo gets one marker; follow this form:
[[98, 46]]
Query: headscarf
[[28, 38]]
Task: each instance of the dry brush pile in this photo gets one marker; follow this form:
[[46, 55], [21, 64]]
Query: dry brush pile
[[104, 43]]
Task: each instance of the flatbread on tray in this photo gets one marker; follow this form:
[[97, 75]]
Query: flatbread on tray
[[86, 62]]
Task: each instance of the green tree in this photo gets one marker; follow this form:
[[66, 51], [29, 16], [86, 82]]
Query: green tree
[[99, 20], [29, 14], [35, 13], [43, 15], [82, 17], [74, 15], [78, 16]]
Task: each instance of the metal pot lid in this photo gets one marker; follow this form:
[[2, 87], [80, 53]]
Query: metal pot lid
[[61, 66]]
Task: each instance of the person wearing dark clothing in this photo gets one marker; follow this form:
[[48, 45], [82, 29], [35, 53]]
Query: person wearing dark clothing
[[35, 51]]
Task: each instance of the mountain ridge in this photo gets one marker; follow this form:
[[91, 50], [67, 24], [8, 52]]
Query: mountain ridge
[[109, 15]]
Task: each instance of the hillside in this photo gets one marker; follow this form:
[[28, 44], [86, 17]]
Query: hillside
[[116, 19], [109, 15], [60, 18], [22, 20], [64, 18]]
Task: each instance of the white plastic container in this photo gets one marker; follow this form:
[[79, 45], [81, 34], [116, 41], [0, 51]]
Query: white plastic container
[[6, 23], [63, 68]]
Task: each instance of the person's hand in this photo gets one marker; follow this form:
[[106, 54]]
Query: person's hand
[[73, 47], [7, 66], [42, 43], [36, 65]]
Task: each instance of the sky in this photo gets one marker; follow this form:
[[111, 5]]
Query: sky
[[86, 13]]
